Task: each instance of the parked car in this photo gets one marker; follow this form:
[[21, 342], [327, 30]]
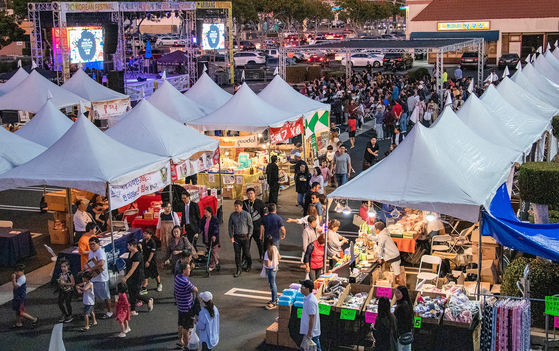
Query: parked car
[[509, 60], [361, 60], [167, 41], [271, 52], [401, 61], [244, 58], [318, 60], [470, 59], [247, 45]]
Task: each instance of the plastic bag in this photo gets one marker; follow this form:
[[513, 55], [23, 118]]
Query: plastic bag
[[308, 344], [264, 273], [307, 277], [194, 341]]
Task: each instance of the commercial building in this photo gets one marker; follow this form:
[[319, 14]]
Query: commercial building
[[507, 26]]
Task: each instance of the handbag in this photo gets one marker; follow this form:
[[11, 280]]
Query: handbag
[[427, 116], [406, 338]]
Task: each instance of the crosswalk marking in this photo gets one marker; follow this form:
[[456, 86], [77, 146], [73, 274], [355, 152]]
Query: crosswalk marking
[[249, 293]]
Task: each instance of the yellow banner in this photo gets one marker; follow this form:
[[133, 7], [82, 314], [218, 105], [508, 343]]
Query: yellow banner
[[463, 26]]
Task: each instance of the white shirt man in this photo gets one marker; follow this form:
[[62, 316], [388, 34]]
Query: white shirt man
[[101, 281], [310, 319], [81, 217]]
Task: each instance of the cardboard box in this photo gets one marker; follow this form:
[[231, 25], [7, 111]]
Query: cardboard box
[[484, 284], [284, 312], [272, 334], [283, 325], [485, 240], [57, 207], [284, 339], [488, 271], [148, 215], [229, 193], [59, 237], [488, 252]]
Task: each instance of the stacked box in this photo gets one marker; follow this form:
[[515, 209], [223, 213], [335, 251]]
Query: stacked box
[[60, 236], [272, 334]]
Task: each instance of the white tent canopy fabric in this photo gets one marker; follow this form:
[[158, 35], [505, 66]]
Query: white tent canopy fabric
[[556, 53], [84, 86], [544, 67], [540, 81], [13, 82], [524, 101], [83, 158], [174, 104], [31, 94], [46, 127], [281, 95], [207, 93], [553, 61], [476, 117], [526, 128], [246, 112], [521, 80], [15, 150], [446, 169], [145, 128]]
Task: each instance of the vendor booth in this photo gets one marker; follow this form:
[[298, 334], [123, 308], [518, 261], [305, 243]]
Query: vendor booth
[[105, 102], [524, 101], [207, 93], [46, 127], [522, 81]]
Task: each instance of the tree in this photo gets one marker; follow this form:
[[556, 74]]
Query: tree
[[360, 12], [245, 12], [9, 29]]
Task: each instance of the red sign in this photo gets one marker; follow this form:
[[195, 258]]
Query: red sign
[[288, 130]]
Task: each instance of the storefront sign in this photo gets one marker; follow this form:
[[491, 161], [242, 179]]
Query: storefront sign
[[299, 312], [122, 195], [348, 314], [453, 26], [106, 109], [189, 167], [417, 322], [236, 142], [324, 309], [552, 305], [384, 292], [370, 317], [288, 130]]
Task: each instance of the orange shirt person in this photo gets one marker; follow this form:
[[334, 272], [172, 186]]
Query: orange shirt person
[[83, 244]]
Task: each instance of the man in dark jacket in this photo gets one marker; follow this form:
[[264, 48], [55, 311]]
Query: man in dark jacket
[[190, 221], [272, 175], [255, 208]]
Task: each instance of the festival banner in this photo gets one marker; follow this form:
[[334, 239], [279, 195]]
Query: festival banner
[[238, 142], [288, 130], [113, 108], [189, 167], [316, 122], [122, 195]]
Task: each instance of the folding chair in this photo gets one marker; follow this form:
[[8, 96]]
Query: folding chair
[[423, 275], [454, 227], [6, 224], [444, 239], [462, 240]]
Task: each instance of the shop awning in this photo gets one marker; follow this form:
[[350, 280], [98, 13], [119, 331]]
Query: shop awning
[[84, 86], [207, 93], [447, 169], [31, 94], [46, 127], [15, 150], [14, 81], [83, 158], [501, 223], [524, 101], [145, 128], [244, 112], [171, 102], [487, 35], [521, 80]]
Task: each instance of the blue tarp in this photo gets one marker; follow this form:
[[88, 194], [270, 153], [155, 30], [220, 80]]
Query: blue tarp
[[501, 223]]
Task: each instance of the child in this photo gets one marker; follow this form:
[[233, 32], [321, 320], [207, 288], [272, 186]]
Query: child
[[20, 297], [66, 290], [150, 270], [326, 173], [122, 314], [86, 288]]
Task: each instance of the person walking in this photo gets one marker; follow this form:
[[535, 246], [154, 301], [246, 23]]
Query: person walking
[[384, 329], [135, 277], [335, 242], [87, 289], [352, 129], [389, 122], [190, 221], [272, 177], [403, 313], [184, 299], [66, 285], [371, 154], [379, 119], [208, 322], [314, 258], [318, 178], [19, 285], [342, 166], [149, 249], [302, 183], [101, 280], [240, 227], [310, 319], [176, 246], [122, 310], [167, 220], [255, 208], [271, 263], [272, 225], [314, 189], [209, 227]]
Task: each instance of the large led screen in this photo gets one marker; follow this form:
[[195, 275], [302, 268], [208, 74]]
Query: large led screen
[[85, 44], [213, 36]]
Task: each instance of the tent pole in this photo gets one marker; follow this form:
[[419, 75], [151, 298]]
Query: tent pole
[[220, 184], [326, 237], [269, 147], [70, 221], [108, 193], [171, 190], [479, 254]]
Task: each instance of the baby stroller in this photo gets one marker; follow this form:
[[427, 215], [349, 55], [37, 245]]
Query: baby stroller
[[203, 262]]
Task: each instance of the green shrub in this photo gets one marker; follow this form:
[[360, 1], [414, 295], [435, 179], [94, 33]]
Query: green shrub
[[544, 281], [418, 74], [539, 183], [555, 125], [295, 74]]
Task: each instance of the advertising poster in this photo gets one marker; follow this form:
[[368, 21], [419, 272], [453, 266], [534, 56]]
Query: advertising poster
[[85, 44], [288, 130]]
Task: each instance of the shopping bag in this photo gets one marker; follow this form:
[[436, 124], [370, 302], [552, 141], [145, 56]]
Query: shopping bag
[[307, 277], [194, 342], [357, 220], [264, 273], [308, 344]]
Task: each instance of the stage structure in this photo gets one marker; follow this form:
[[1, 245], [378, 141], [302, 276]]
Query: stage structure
[[84, 42]]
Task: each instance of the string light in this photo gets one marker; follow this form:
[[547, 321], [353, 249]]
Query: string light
[[347, 210], [430, 217]]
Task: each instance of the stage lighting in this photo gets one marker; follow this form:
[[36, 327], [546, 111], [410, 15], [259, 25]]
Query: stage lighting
[[168, 14]]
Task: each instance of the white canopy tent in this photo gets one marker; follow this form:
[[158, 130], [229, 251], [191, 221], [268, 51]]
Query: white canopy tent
[[476, 117], [556, 53], [525, 128], [521, 80], [46, 127], [540, 81], [524, 101], [15, 150], [83, 158], [447, 169], [207, 93], [246, 112], [13, 82], [145, 128], [84, 86], [553, 61], [174, 104], [545, 69], [31, 94]]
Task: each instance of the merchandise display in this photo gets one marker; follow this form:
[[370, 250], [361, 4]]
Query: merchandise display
[[428, 307], [460, 308]]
